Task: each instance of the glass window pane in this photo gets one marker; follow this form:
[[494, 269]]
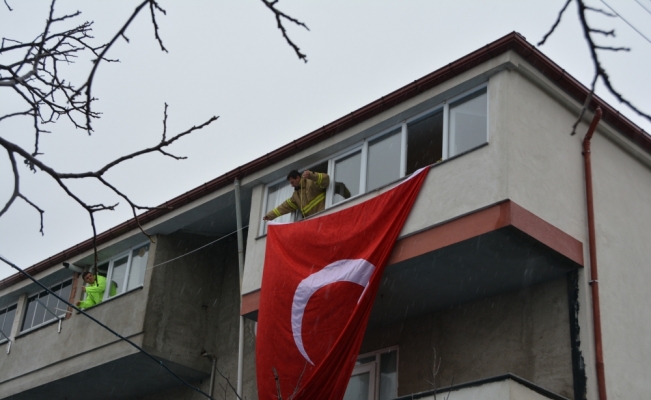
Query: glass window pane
[[276, 194], [39, 314], [138, 266], [117, 284], [358, 387], [65, 294], [7, 320], [389, 375], [347, 173], [424, 141], [383, 161], [468, 122], [29, 314], [52, 303], [102, 269]]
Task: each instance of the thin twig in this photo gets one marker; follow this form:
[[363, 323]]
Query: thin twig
[[599, 71], [279, 16], [558, 21]]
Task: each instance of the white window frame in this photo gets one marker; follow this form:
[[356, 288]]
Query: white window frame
[[46, 321], [376, 364], [371, 368], [363, 149], [8, 334], [127, 274], [403, 126]]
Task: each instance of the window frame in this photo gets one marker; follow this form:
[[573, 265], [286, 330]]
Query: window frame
[[376, 363], [364, 144], [45, 321], [4, 339], [372, 369], [110, 270]]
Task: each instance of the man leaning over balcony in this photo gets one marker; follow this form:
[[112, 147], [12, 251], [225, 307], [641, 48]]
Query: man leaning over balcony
[[94, 289], [308, 197]]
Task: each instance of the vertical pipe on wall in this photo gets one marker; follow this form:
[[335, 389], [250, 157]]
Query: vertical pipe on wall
[[594, 276], [240, 259], [212, 376], [213, 361]]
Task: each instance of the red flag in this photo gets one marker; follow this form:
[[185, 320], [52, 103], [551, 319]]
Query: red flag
[[320, 279]]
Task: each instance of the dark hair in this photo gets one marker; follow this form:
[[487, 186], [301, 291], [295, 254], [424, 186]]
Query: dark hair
[[293, 174], [85, 273]]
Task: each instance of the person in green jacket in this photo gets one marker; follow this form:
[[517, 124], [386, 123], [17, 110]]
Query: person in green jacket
[[94, 289]]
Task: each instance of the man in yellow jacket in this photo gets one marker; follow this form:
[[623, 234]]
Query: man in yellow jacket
[[94, 289], [308, 197]]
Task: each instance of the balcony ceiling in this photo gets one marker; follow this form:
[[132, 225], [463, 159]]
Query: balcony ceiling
[[129, 377], [500, 261]]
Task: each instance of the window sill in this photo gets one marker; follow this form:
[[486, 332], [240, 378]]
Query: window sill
[[135, 289], [39, 327]]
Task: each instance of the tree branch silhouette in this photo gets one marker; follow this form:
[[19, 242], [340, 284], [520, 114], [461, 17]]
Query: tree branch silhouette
[[599, 71], [31, 72]]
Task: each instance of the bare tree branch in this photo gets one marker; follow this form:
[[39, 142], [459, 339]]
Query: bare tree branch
[[228, 381], [31, 71], [121, 33], [599, 71], [16, 193], [558, 21], [279, 15], [600, 11]]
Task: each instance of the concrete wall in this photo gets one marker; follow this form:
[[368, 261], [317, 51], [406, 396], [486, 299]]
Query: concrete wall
[[43, 355], [546, 176], [622, 191], [525, 333], [194, 307]]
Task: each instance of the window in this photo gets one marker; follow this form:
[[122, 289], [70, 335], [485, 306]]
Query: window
[[125, 272], [468, 122], [347, 173], [454, 127], [383, 160], [375, 377], [7, 315], [44, 307]]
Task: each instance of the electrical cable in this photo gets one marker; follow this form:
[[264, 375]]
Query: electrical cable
[[643, 6], [629, 24], [140, 349], [197, 249]]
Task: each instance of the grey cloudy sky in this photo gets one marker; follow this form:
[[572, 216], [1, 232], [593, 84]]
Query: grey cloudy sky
[[227, 58]]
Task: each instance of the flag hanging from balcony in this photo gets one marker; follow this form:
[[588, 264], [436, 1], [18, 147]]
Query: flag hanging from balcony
[[320, 279]]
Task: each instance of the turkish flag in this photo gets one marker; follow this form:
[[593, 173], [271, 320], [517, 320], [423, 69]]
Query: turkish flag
[[320, 279]]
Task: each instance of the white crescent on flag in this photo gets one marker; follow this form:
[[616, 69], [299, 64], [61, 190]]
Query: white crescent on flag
[[355, 271]]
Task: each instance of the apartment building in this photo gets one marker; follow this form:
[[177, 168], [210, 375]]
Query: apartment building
[[488, 289]]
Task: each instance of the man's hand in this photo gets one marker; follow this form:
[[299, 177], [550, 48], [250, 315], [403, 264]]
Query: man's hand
[[306, 174], [78, 303], [83, 289], [265, 218]]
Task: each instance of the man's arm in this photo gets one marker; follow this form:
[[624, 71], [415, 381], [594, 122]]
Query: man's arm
[[99, 288], [285, 207], [87, 303], [321, 179]]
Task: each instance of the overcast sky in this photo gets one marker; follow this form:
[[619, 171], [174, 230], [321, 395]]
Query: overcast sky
[[227, 58]]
